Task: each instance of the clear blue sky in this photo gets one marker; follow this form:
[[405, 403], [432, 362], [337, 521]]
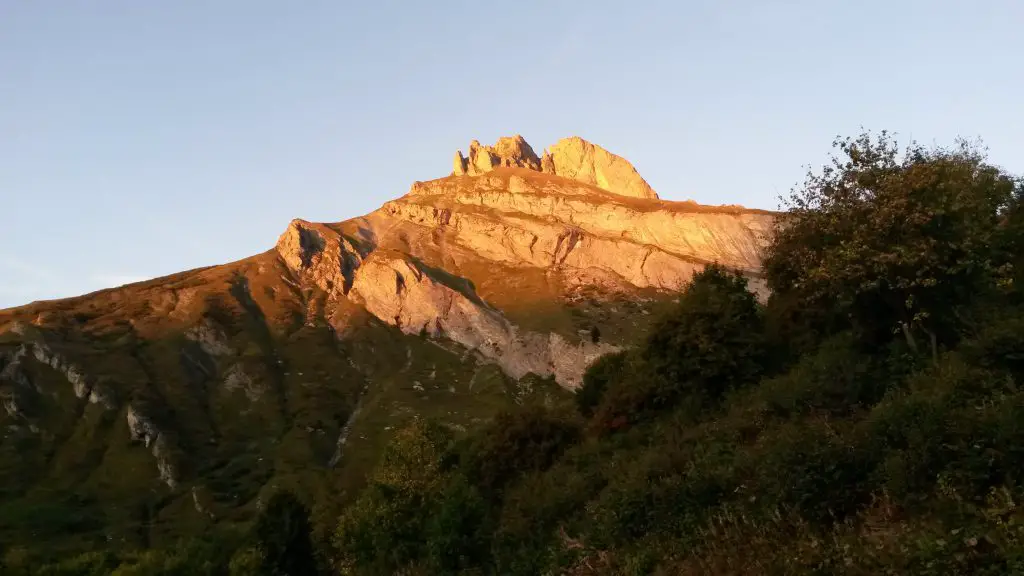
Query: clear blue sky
[[142, 138]]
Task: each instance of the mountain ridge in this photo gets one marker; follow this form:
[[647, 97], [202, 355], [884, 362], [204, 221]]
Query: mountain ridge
[[178, 401]]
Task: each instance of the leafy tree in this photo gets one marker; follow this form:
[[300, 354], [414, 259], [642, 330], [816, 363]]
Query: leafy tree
[[714, 339], [894, 243], [457, 531], [386, 528], [282, 534], [711, 342]]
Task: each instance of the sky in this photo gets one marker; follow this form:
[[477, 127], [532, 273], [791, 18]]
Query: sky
[[139, 139]]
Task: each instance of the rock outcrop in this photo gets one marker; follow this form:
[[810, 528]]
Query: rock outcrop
[[507, 152], [143, 429], [83, 386], [582, 217], [521, 218], [579, 160], [210, 338], [573, 158], [406, 293]]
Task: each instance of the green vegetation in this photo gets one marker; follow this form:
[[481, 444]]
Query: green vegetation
[[867, 419]]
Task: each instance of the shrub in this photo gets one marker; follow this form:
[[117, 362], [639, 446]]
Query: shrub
[[836, 378], [603, 371], [713, 340], [458, 531], [514, 443], [282, 533]]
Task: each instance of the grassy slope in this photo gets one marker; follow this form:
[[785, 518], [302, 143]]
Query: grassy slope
[[81, 479]]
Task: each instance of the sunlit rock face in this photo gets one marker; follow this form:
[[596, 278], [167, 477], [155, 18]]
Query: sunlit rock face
[[572, 158], [580, 215]]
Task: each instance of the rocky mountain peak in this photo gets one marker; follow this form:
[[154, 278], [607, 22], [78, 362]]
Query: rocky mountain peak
[[508, 151], [577, 159], [573, 158], [470, 293]]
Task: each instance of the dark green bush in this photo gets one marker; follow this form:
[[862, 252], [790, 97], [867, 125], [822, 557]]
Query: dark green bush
[[514, 443], [837, 379], [714, 339], [458, 530], [282, 535], [596, 379]]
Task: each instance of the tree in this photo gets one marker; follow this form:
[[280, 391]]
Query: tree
[[387, 527], [282, 533], [712, 341], [894, 243]]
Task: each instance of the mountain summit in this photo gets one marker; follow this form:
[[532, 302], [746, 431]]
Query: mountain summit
[[160, 406], [572, 158]]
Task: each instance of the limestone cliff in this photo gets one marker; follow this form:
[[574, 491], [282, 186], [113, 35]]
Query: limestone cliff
[[585, 219], [573, 158]]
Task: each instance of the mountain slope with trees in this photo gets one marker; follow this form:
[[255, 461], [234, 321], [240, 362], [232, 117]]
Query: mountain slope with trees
[[867, 419]]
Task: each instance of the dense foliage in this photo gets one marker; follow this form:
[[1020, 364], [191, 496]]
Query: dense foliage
[[867, 419]]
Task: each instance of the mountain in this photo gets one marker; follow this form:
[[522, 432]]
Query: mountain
[[141, 413]]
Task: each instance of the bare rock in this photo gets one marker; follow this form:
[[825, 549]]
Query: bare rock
[[577, 159], [142, 428], [459, 165], [573, 158], [210, 338], [80, 383], [320, 255], [573, 214], [238, 379], [523, 220], [509, 151], [403, 294]]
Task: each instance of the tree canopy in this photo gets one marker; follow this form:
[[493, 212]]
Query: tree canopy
[[893, 240]]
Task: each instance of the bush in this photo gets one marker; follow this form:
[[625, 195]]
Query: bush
[[282, 534], [458, 531], [819, 472], [999, 344], [837, 378], [515, 443], [603, 371], [714, 340], [88, 564]]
